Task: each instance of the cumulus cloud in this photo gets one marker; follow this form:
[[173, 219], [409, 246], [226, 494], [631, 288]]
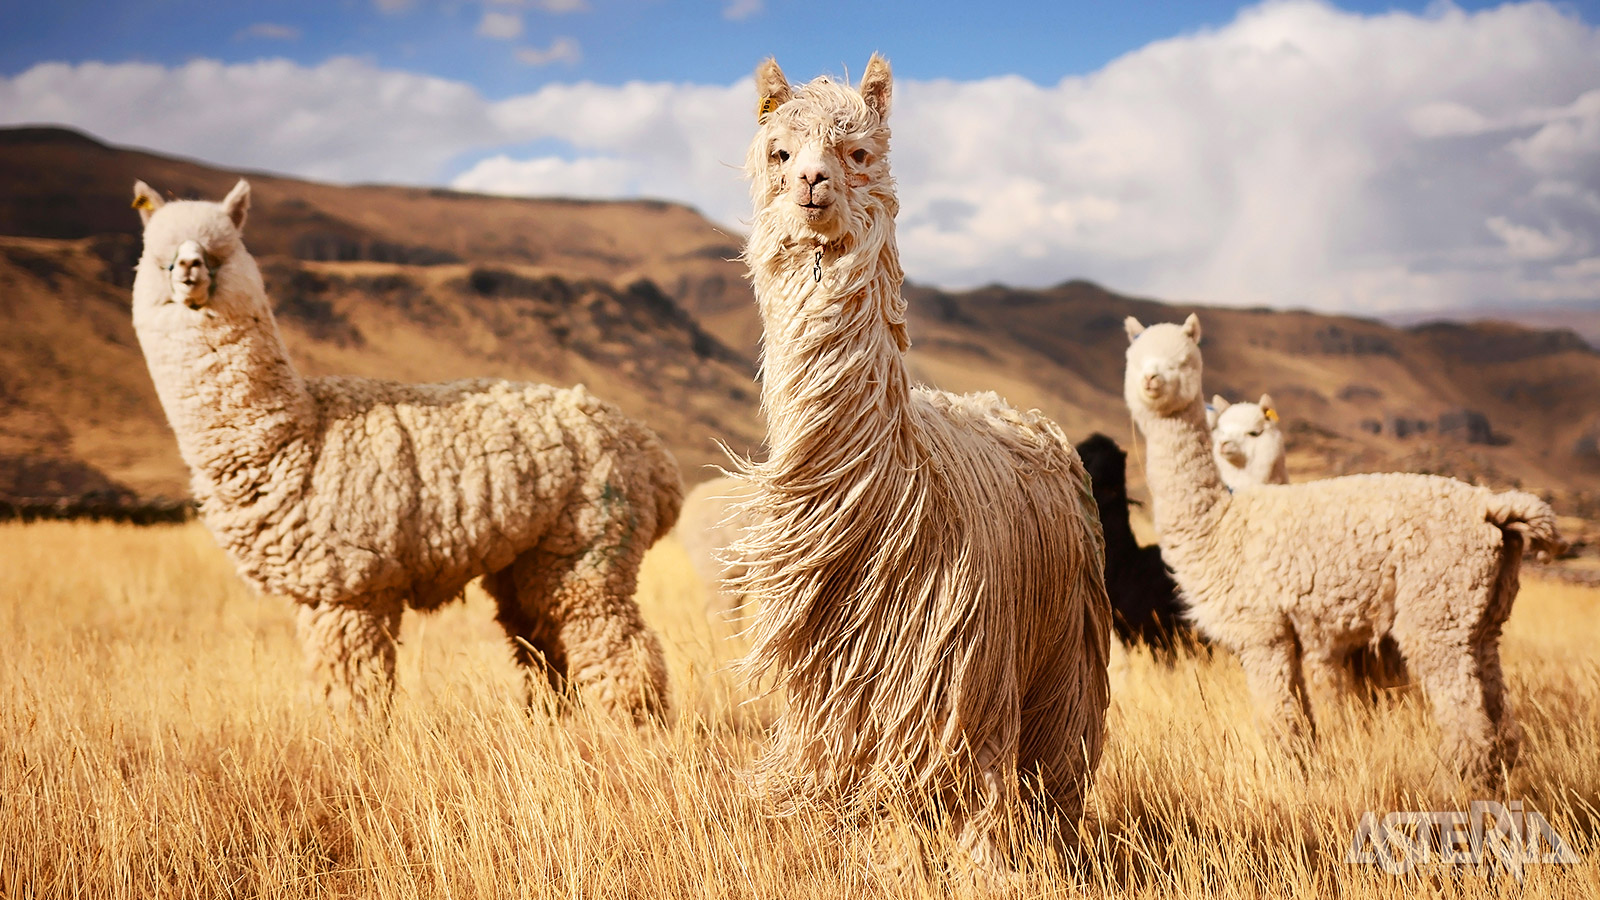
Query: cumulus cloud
[[271, 31], [502, 26], [343, 120], [1300, 155], [561, 50]]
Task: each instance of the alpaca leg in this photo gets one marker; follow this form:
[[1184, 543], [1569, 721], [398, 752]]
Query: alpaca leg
[[985, 821], [1272, 669], [586, 625], [351, 653], [1508, 735], [1452, 678], [1327, 670], [535, 639], [612, 658]]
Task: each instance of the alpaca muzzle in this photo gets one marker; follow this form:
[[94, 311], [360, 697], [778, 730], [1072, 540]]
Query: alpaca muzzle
[[192, 276]]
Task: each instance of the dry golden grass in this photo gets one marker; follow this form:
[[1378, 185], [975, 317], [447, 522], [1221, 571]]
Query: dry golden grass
[[155, 740]]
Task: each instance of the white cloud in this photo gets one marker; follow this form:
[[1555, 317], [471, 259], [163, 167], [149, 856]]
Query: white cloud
[[1301, 155], [342, 120], [549, 176], [504, 26], [561, 50], [739, 10], [1524, 242], [271, 31]]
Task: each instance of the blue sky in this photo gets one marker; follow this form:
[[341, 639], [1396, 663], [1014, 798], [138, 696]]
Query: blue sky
[[1353, 156], [626, 40]]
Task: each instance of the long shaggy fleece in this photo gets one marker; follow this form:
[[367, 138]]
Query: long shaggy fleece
[[1317, 568], [357, 497], [927, 567]]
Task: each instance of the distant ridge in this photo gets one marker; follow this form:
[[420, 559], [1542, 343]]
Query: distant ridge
[[647, 303]]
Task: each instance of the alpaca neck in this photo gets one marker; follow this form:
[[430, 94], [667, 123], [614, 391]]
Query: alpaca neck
[[1118, 533], [1185, 485], [224, 378], [834, 384]]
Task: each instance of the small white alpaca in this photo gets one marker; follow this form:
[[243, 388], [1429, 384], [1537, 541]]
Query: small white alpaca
[[927, 567], [1278, 572], [1247, 442], [710, 523], [357, 497]]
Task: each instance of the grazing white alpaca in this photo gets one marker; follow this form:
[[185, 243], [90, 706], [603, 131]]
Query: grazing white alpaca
[[927, 566], [708, 526], [1247, 442], [1314, 569], [357, 498]]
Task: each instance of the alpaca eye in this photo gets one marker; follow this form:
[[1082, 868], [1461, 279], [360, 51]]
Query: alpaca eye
[[782, 156], [1256, 433], [860, 156]]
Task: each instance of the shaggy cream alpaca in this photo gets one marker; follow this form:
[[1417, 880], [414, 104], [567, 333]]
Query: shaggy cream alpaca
[[358, 497], [1247, 442], [927, 567], [1314, 569]]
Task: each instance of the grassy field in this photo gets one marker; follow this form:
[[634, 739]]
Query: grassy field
[[156, 741]]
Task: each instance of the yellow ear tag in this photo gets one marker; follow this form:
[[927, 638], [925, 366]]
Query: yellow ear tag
[[142, 202], [1272, 415], [768, 104]]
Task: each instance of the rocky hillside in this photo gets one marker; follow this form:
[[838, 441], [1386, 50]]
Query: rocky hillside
[[647, 304]]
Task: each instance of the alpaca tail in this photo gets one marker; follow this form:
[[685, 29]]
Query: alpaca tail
[[1533, 518]]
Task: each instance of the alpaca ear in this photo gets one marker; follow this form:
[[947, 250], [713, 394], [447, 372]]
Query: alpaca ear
[[876, 85], [1267, 408], [1132, 327], [1215, 410], [146, 201], [1191, 327], [237, 203], [772, 86]]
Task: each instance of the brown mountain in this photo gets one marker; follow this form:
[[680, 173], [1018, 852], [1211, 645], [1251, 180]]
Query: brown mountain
[[647, 304], [391, 282]]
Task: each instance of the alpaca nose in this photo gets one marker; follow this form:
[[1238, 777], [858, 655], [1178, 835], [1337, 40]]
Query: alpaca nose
[[813, 175], [1153, 383]]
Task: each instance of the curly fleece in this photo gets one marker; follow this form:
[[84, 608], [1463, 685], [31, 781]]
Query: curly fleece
[[1278, 572], [357, 497]]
